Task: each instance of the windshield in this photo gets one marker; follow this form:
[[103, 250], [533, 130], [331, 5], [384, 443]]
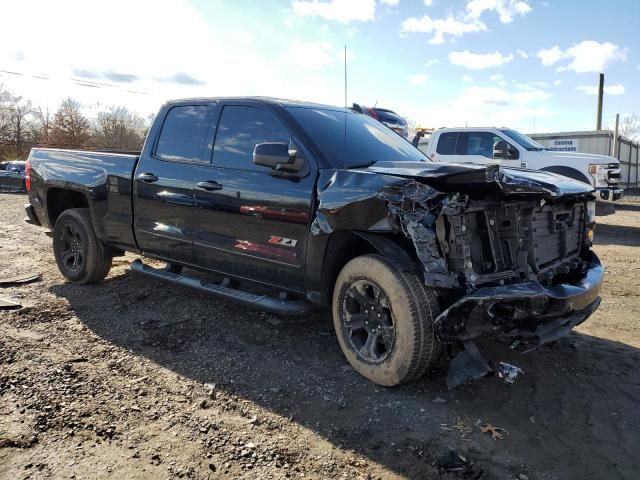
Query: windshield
[[359, 143], [523, 140]]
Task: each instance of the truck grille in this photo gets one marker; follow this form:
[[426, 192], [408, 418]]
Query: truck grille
[[556, 234], [515, 240]]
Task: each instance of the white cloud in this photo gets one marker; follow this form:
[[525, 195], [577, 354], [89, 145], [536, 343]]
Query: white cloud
[[173, 68], [440, 27], [523, 54], [467, 79], [617, 89], [499, 79], [586, 56], [506, 9], [590, 56], [418, 78], [477, 61], [550, 56], [427, 3], [557, 83], [390, 3], [430, 62], [344, 11]]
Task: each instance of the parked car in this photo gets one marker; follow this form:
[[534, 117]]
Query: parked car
[[328, 208], [388, 117], [508, 147], [12, 176]]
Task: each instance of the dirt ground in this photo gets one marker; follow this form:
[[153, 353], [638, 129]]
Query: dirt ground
[[136, 379]]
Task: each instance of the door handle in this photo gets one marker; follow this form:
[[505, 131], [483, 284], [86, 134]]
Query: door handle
[[147, 177], [209, 185]]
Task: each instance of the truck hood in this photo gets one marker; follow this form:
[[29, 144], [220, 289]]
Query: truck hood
[[579, 158], [483, 179]]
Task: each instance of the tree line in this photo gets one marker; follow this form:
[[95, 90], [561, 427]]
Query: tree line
[[24, 125]]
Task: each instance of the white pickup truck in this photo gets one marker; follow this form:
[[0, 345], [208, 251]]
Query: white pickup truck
[[511, 148]]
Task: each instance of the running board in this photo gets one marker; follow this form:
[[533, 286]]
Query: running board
[[281, 306]]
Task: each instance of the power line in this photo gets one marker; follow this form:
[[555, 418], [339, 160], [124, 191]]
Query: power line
[[77, 81]]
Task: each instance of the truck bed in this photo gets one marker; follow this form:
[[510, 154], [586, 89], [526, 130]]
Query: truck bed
[[105, 178]]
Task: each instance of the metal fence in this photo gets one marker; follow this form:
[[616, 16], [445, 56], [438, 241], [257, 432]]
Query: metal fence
[[600, 142]]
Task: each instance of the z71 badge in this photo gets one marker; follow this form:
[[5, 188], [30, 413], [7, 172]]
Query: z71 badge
[[285, 242]]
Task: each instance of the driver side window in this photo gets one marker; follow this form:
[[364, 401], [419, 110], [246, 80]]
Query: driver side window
[[480, 143]]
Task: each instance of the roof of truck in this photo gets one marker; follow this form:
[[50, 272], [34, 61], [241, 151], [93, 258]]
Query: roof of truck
[[271, 100]]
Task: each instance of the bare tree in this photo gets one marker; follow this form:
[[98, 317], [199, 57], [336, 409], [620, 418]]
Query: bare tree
[[117, 128], [21, 126], [41, 125], [16, 115], [70, 128], [630, 127]]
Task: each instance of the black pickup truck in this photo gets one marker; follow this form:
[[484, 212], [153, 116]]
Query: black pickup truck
[[329, 208]]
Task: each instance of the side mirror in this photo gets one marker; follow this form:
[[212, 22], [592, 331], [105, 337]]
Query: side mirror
[[500, 149], [279, 156]]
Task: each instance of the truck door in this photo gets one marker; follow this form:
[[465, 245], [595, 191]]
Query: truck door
[[163, 181], [253, 222], [445, 148], [478, 147]]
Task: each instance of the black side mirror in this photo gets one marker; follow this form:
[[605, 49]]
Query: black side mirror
[[500, 149], [280, 156]]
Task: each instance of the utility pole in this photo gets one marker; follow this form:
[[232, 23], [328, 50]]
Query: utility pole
[[600, 95], [615, 136]]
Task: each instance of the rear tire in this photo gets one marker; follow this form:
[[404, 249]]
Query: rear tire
[[80, 255], [384, 321]]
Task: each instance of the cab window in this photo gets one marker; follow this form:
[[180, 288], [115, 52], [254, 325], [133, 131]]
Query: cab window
[[239, 130], [184, 133], [447, 143], [479, 143]]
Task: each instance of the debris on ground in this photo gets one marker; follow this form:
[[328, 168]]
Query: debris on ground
[[454, 462], [467, 365], [509, 373], [6, 304], [19, 280]]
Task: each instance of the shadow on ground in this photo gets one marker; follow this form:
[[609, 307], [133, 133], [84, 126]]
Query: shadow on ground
[[607, 234], [572, 415]]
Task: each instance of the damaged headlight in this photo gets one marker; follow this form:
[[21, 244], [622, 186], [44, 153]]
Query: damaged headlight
[[591, 222]]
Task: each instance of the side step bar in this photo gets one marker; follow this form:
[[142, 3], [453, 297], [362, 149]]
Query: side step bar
[[280, 306]]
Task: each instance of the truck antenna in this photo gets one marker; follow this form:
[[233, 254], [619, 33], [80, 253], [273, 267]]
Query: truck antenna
[[345, 76]]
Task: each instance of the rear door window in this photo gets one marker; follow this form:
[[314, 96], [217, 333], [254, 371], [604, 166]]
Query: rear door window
[[239, 130], [447, 143], [184, 134]]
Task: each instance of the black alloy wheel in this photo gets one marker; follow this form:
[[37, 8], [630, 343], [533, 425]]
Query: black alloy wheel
[[368, 321]]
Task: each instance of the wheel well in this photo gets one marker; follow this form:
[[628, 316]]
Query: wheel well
[[59, 200], [344, 246], [568, 172]]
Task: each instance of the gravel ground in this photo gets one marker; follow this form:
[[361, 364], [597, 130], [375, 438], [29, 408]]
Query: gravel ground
[[136, 379]]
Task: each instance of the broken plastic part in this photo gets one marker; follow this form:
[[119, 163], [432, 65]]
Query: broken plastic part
[[467, 365]]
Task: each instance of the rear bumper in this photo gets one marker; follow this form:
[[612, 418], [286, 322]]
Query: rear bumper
[[524, 309], [609, 194], [31, 215]]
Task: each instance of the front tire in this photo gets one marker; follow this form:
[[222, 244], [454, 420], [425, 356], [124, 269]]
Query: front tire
[[384, 321], [80, 255]]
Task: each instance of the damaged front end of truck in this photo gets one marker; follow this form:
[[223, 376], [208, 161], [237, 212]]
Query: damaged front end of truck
[[508, 250]]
